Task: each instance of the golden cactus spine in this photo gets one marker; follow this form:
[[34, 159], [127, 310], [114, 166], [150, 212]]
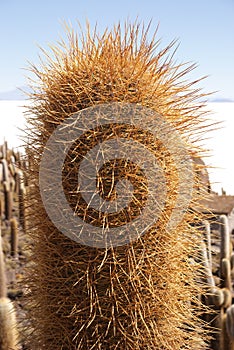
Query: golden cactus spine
[[130, 297]]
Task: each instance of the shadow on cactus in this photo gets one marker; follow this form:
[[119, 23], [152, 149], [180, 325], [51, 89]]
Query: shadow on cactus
[[141, 295]]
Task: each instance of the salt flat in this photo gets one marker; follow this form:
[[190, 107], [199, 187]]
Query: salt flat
[[12, 120], [220, 142]]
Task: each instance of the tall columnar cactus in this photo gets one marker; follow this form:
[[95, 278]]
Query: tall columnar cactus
[[208, 242], [225, 259], [226, 273], [1, 172], [12, 165], [226, 284], [225, 240], [227, 342], [8, 327], [22, 193], [134, 296], [4, 150], [214, 298], [6, 187], [230, 323], [3, 286], [14, 237], [9, 339], [8, 200], [1, 209], [5, 171]]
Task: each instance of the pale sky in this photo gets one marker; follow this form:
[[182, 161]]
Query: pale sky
[[203, 28]]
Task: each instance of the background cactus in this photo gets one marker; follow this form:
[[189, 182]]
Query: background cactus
[[3, 286], [225, 244], [8, 330], [10, 269], [7, 200], [208, 242], [225, 269], [8, 327], [22, 193], [230, 322], [14, 237]]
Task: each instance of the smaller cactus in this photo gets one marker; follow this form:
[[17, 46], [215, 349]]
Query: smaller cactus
[[206, 267], [232, 261], [4, 150], [216, 297], [5, 171], [1, 172], [19, 180], [8, 330], [22, 192], [230, 322], [12, 184], [8, 326], [8, 200], [1, 209], [12, 166], [225, 263], [226, 274], [3, 285], [14, 237], [225, 238], [227, 297], [18, 159], [227, 341], [207, 235]]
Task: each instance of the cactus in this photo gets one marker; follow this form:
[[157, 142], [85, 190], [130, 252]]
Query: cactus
[[12, 165], [4, 150], [232, 261], [226, 274], [1, 172], [225, 240], [8, 328], [230, 322], [227, 297], [227, 342], [204, 260], [128, 297], [18, 180], [8, 200], [217, 297], [22, 192], [5, 171], [3, 285], [208, 241], [9, 339], [14, 237]]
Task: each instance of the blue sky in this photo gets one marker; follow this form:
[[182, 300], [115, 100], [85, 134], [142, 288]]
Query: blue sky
[[204, 28]]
